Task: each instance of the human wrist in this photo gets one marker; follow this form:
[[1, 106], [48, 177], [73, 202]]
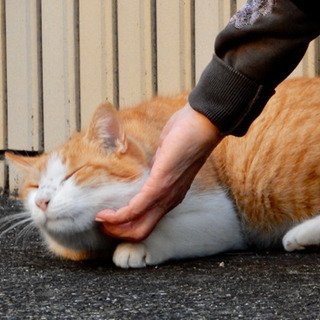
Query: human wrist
[[205, 127]]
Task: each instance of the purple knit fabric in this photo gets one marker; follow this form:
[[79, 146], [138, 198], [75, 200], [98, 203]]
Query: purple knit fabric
[[251, 11]]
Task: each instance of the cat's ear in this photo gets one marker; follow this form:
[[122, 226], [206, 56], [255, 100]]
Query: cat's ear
[[24, 162], [106, 126]]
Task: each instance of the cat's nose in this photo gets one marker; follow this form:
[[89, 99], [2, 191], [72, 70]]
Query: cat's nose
[[42, 204]]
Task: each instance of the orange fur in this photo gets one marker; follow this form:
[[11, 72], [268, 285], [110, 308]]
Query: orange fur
[[69, 254], [272, 174]]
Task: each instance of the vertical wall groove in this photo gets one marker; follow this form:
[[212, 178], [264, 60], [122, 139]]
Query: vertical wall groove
[[115, 51], [154, 46], [193, 44], [4, 173], [77, 64], [40, 79], [3, 88]]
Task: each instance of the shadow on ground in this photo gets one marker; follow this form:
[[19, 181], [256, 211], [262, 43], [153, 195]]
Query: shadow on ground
[[253, 285]]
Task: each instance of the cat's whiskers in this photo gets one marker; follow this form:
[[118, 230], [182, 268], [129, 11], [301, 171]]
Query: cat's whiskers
[[15, 216], [26, 220], [8, 220], [24, 232]]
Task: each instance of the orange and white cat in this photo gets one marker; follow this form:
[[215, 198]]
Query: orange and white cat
[[259, 190]]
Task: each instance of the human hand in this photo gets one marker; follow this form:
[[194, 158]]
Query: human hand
[[185, 143]]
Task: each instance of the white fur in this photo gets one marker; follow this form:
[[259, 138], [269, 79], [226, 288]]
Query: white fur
[[72, 208], [49, 184], [303, 235], [203, 224]]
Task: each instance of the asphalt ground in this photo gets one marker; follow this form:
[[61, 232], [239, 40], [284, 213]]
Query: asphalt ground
[[251, 285]]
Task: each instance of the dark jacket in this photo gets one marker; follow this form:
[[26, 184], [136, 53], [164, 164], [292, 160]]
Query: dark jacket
[[258, 49]]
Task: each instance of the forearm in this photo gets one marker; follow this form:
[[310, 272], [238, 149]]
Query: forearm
[[255, 52]]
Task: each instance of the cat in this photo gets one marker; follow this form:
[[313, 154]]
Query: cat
[[260, 190]]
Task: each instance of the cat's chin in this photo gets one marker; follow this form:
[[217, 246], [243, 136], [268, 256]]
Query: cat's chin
[[78, 255], [80, 245]]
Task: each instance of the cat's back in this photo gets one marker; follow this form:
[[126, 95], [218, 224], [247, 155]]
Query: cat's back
[[273, 172], [145, 122]]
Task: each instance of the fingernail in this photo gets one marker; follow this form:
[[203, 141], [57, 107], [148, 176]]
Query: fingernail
[[100, 217]]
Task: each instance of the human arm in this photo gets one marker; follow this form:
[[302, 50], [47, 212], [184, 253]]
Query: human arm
[[232, 91], [185, 143], [258, 49]]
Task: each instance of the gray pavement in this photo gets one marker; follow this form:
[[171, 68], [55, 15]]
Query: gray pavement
[[252, 285]]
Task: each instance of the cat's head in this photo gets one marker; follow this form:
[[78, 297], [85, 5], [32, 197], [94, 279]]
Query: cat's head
[[64, 190]]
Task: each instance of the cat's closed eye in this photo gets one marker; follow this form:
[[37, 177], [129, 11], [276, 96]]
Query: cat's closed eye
[[33, 186], [73, 172]]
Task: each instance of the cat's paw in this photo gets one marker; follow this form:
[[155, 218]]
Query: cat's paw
[[131, 255], [302, 236]]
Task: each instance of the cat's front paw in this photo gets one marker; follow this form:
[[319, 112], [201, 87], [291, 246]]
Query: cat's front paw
[[291, 243], [130, 255], [302, 236]]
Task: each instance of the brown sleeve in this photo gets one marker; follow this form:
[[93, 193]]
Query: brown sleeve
[[258, 49]]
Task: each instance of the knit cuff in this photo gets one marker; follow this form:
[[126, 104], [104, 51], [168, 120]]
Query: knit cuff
[[229, 99]]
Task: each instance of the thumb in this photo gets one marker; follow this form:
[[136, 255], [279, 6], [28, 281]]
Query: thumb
[[105, 215]]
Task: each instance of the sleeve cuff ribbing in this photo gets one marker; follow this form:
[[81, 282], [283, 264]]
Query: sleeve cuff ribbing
[[229, 99]]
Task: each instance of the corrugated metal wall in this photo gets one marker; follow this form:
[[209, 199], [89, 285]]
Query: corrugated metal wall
[[60, 58]]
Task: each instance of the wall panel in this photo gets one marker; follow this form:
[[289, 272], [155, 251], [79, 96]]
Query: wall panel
[[206, 29], [59, 59], [307, 67], [3, 92], [240, 3], [3, 83], [174, 47], [98, 80], [60, 74], [23, 80], [135, 51], [23, 75]]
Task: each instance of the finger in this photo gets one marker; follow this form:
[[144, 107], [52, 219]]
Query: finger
[[135, 230], [125, 214], [110, 216], [144, 201], [115, 231], [104, 215]]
